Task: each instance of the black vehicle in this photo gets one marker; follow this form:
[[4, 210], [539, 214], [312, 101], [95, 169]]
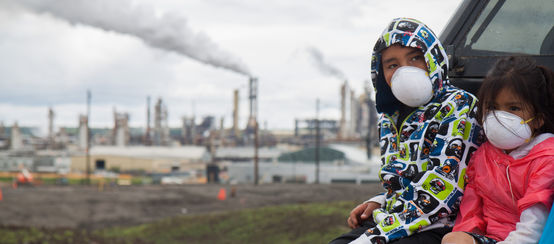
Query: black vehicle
[[482, 31]]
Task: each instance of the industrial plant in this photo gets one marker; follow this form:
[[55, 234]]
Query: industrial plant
[[202, 150]]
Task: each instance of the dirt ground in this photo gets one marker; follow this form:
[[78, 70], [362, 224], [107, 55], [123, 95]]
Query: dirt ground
[[87, 207]]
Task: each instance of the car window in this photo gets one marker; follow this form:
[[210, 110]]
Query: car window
[[523, 27]]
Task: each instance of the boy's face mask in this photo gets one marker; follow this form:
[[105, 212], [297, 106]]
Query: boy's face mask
[[505, 130], [412, 86]]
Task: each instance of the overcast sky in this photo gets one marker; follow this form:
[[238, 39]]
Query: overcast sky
[[192, 54]]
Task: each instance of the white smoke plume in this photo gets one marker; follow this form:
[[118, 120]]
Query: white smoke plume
[[322, 65], [167, 31]]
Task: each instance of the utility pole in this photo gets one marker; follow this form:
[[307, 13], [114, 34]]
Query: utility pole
[[317, 141], [88, 137], [147, 139], [256, 145]]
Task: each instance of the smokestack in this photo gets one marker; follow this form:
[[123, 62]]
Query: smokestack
[[295, 127], [169, 31], [147, 139], [253, 97], [165, 126], [342, 123], [236, 112], [353, 114], [222, 130], [115, 127], [158, 122], [51, 127]]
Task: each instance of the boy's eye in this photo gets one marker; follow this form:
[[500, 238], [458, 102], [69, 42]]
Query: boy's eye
[[415, 58], [392, 66]]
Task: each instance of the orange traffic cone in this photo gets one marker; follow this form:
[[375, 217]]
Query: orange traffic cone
[[221, 195], [0, 194]]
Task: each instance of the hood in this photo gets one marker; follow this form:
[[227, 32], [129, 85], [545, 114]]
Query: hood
[[409, 33]]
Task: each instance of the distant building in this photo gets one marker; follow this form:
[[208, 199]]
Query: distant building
[[338, 164], [246, 154], [83, 132], [13, 162], [188, 131], [143, 159], [4, 139], [305, 131], [16, 142], [352, 114], [121, 134], [161, 127], [35, 161]]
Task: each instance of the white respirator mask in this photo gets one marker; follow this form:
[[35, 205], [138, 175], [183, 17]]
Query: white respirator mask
[[412, 86], [506, 130]]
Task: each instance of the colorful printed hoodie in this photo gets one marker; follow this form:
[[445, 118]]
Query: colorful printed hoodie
[[424, 160]]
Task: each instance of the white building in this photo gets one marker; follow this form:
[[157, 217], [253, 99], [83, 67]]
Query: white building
[[338, 164], [16, 139]]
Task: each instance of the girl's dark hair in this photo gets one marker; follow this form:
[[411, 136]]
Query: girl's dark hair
[[531, 82]]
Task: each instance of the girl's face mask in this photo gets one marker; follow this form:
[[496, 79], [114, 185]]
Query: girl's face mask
[[505, 130], [412, 86]]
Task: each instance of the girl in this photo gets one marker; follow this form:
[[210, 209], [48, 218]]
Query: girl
[[510, 178]]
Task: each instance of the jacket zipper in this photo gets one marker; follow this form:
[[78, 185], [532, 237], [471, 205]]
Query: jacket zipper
[[401, 125], [397, 144]]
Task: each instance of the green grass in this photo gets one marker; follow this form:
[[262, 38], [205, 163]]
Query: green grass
[[6, 179], [298, 223]]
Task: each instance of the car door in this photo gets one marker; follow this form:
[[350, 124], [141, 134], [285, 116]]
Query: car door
[[480, 32]]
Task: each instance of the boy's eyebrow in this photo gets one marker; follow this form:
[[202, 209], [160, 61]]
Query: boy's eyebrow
[[389, 60], [414, 51]]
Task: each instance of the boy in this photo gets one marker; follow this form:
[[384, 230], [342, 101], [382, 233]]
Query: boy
[[428, 132]]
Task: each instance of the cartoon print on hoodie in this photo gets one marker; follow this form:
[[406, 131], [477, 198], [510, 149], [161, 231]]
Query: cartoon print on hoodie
[[424, 161]]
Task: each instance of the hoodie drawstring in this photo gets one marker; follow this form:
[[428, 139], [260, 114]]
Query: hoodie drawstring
[[509, 181], [510, 184]]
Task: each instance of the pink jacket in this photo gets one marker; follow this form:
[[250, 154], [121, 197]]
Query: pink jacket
[[492, 201]]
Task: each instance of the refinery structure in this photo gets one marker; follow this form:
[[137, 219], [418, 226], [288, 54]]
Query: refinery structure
[[202, 149]]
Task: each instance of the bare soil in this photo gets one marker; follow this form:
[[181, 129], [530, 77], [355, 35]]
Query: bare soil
[[89, 208]]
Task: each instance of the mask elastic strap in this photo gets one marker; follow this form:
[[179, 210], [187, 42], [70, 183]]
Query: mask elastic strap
[[527, 121]]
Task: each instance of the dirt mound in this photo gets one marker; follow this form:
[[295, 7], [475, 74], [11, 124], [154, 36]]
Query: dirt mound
[[87, 207]]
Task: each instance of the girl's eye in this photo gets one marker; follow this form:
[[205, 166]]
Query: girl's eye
[[514, 108], [392, 66]]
